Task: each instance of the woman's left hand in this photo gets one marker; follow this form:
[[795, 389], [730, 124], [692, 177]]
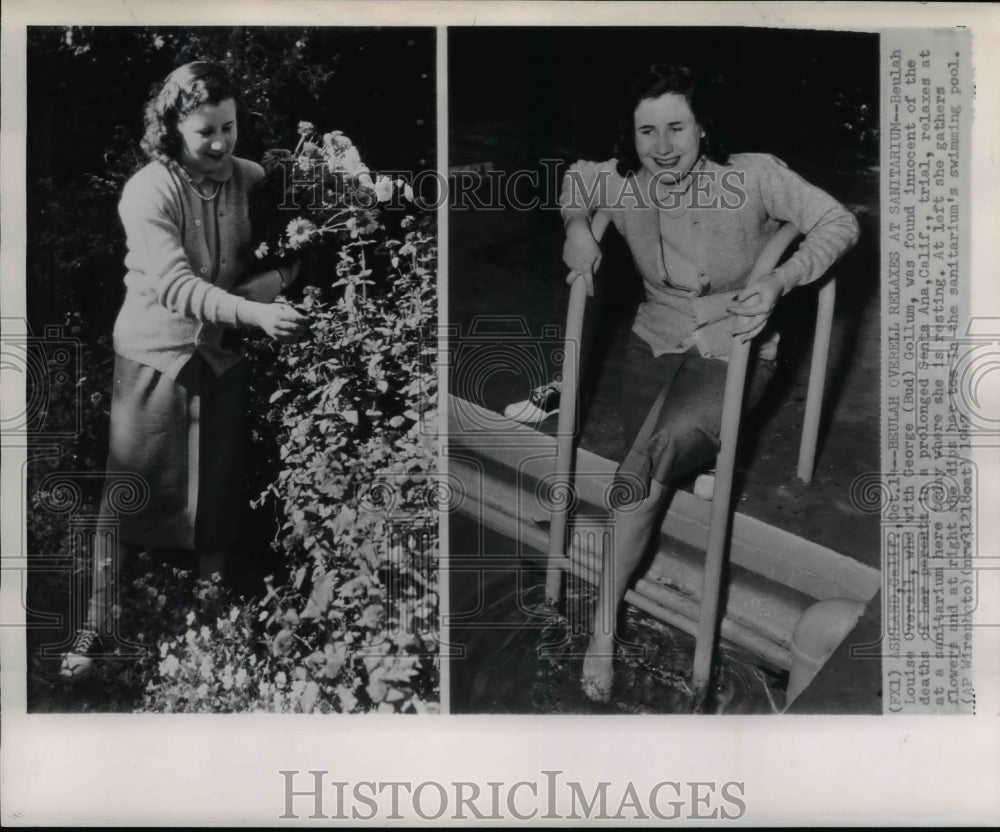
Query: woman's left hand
[[756, 302], [264, 287]]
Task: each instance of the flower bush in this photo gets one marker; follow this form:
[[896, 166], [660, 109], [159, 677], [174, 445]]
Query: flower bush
[[353, 624], [317, 196]]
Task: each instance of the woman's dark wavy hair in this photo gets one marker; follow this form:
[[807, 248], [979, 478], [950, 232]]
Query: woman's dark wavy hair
[[663, 79], [185, 89]]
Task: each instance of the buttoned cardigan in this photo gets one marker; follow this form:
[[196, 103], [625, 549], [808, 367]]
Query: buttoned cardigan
[[733, 210], [184, 253]]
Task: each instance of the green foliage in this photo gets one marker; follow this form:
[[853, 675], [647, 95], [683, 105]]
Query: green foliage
[[355, 627]]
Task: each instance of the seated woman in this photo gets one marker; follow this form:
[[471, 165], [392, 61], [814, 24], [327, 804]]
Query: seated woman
[[695, 220]]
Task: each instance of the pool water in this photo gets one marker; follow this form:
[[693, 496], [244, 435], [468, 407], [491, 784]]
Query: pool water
[[518, 655]]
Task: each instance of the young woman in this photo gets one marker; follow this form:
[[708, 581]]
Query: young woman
[[695, 220], [180, 387]]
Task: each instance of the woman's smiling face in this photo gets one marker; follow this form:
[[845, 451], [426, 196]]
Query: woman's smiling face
[[208, 136], [667, 137]]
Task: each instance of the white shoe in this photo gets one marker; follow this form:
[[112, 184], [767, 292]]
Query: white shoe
[[542, 402]]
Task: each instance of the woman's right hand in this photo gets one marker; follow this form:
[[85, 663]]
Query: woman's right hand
[[279, 320], [581, 253]]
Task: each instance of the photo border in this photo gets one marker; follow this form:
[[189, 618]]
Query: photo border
[[152, 769]]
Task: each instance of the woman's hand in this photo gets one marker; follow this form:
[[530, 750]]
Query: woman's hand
[[279, 320], [756, 303], [581, 253]]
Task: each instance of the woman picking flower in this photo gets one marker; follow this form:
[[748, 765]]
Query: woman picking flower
[[179, 402]]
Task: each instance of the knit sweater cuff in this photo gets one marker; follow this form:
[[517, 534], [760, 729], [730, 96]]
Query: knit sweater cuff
[[225, 311], [242, 314], [790, 276]]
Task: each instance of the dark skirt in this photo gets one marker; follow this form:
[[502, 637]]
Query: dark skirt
[[183, 442], [672, 406]]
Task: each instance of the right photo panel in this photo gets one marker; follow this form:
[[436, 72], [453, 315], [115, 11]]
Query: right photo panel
[[664, 347]]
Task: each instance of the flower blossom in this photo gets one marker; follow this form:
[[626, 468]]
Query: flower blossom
[[383, 188], [347, 160], [367, 224], [169, 666], [299, 232], [337, 139]]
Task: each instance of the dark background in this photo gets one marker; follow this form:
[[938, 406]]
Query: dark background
[[520, 96], [87, 87], [791, 93]]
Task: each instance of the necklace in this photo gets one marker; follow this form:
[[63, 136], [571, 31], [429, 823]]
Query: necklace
[[194, 186]]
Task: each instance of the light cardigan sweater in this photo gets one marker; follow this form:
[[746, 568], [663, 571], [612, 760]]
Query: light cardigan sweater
[[727, 215], [183, 254]]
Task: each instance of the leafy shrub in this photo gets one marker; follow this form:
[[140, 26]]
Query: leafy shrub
[[355, 625]]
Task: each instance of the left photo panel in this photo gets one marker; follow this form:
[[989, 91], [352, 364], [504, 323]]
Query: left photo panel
[[230, 346]]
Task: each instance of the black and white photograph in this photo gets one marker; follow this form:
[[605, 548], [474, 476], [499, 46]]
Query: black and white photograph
[[231, 472], [479, 413], [713, 195]]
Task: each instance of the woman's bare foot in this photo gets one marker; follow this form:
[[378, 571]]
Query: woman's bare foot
[[597, 670]]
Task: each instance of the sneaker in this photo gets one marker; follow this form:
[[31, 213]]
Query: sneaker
[[541, 403], [79, 661]]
